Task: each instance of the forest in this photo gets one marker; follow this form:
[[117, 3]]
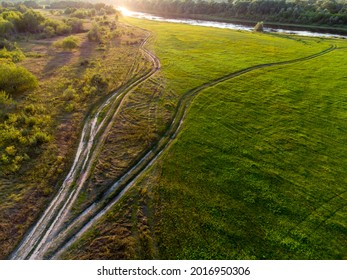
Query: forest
[[318, 12]]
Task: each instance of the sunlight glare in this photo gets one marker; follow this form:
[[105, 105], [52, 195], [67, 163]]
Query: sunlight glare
[[125, 11]]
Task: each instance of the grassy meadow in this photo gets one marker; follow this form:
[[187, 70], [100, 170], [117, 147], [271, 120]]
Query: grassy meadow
[[258, 168], [193, 55], [261, 170], [127, 139]]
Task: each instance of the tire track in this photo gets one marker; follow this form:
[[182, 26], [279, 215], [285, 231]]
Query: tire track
[[37, 240], [85, 220]]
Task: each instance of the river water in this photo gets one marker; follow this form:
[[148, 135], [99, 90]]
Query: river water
[[206, 23]]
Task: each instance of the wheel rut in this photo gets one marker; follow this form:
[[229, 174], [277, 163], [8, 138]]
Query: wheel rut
[[50, 237], [36, 242], [82, 223]]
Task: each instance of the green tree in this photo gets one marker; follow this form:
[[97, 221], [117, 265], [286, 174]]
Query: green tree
[[31, 21], [6, 27]]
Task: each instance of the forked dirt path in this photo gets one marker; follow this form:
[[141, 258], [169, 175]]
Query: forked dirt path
[[50, 236], [94, 133], [83, 222]]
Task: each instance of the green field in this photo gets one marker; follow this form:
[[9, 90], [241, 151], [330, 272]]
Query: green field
[[193, 55], [222, 55], [258, 168]]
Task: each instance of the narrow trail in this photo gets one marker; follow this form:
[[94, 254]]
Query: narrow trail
[[37, 240], [85, 220]]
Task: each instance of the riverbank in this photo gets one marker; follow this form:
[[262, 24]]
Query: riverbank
[[271, 26]]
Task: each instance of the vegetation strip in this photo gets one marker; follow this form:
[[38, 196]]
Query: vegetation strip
[[34, 244], [328, 15], [115, 193]]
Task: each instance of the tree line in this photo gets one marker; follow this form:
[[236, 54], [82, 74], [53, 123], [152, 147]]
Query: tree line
[[320, 12], [21, 17]]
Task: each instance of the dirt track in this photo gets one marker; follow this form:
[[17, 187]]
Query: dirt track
[[50, 237], [37, 241], [120, 187]]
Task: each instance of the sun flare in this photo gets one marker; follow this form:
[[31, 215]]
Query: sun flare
[[125, 11]]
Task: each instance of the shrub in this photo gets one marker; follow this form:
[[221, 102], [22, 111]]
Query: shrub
[[8, 45], [41, 137], [259, 27], [94, 34], [6, 27], [69, 94], [80, 14], [67, 43], [63, 29], [30, 109], [89, 90], [69, 11], [70, 107], [4, 159], [116, 34], [14, 17], [10, 51], [11, 150], [49, 32], [55, 27], [31, 21], [5, 99], [99, 82], [16, 79], [21, 8], [75, 24], [14, 56], [70, 42]]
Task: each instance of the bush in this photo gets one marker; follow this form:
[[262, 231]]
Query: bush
[[94, 34], [99, 82], [31, 22], [5, 99], [11, 150], [69, 94], [8, 45], [15, 79], [49, 32], [75, 24], [259, 27], [80, 14], [6, 27], [69, 11], [70, 43], [10, 51], [14, 17], [116, 34], [30, 109], [14, 56], [63, 29], [70, 107], [67, 43], [40, 138], [55, 27]]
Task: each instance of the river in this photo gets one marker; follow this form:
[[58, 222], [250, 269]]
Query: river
[[225, 25]]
